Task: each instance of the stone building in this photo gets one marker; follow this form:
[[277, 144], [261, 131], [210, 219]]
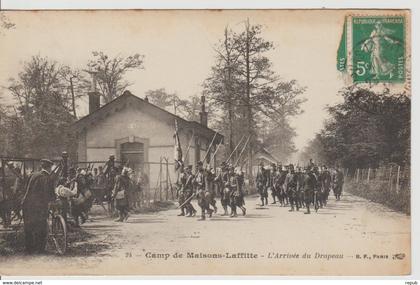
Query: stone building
[[141, 133]]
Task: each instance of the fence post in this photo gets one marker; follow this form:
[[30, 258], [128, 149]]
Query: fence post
[[357, 175], [398, 179], [368, 176], [390, 178]]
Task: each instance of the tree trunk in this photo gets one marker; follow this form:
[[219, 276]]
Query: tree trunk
[[248, 103]]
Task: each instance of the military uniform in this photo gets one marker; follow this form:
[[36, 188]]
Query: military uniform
[[188, 192], [291, 189], [223, 180], [203, 197], [309, 184], [261, 182], [122, 184], [325, 185], [271, 182], [338, 184], [39, 192], [236, 183]]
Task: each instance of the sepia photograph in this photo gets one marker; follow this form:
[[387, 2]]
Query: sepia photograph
[[205, 142]]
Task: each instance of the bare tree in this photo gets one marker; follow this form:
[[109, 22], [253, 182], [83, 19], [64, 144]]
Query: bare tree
[[109, 72]]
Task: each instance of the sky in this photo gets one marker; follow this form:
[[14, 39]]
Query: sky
[[178, 49]]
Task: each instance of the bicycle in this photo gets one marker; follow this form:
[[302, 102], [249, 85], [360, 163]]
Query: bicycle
[[57, 228]]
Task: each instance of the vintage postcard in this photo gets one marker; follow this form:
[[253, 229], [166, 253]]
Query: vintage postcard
[[205, 142]]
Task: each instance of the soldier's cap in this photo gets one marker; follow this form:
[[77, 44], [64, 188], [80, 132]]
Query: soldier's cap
[[111, 156], [46, 162]]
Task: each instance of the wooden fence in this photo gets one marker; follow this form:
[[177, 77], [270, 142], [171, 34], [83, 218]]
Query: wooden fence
[[389, 185]]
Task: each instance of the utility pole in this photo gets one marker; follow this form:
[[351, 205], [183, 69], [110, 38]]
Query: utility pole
[[73, 103]]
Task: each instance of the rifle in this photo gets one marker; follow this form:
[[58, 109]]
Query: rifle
[[230, 156], [208, 149], [189, 145], [243, 148], [214, 154], [186, 201], [195, 175]]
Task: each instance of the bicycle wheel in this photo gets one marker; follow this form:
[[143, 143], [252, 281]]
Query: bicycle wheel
[[59, 234]]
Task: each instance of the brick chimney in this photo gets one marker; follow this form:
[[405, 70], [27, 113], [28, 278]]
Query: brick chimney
[[203, 113], [94, 96], [94, 101]]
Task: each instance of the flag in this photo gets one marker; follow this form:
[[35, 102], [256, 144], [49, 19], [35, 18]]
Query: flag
[[177, 148], [342, 50]]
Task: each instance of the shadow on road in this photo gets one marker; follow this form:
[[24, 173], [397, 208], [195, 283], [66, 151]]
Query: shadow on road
[[144, 221]]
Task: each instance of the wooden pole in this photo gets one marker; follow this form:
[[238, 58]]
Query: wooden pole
[[390, 178], [398, 179], [368, 175]]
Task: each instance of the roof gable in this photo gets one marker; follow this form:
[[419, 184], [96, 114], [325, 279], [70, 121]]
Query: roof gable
[[128, 99]]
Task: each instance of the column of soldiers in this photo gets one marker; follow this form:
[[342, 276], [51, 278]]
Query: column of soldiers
[[300, 187], [204, 184]]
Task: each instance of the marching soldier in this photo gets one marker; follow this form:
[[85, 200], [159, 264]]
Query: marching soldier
[[119, 194], [39, 192], [338, 183], [325, 184], [188, 192], [291, 191], [223, 182], [261, 182], [309, 184], [210, 177], [110, 174], [203, 196], [236, 187], [317, 189], [281, 185], [271, 181], [300, 187]]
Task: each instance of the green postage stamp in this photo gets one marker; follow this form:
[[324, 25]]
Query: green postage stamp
[[373, 49], [378, 49]]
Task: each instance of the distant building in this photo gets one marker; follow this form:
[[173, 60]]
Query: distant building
[[263, 155], [140, 133]]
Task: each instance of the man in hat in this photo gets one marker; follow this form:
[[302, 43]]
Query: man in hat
[[291, 188], [261, 182], [309, 184], [120, 195], [271, 183], [236, 184], [222, 181], [326, 179], [39, 192], [338, 183], [188, 192], [202, 196]]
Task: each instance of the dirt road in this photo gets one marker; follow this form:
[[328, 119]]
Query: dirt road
[[349, 237]]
